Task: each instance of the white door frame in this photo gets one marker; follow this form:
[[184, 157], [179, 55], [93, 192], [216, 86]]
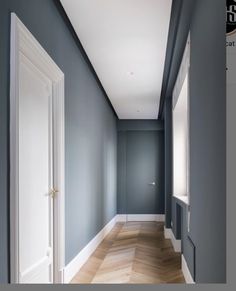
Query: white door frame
[[22, 41]]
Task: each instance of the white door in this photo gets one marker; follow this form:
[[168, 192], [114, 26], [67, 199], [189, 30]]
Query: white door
[[36, 161], [35, 175]]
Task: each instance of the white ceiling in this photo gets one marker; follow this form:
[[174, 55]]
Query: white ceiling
[[126, 42]]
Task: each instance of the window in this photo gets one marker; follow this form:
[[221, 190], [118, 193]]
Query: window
[[180, 142], [181, 131]]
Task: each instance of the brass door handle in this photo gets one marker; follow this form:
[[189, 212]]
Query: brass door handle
[[53, 193]]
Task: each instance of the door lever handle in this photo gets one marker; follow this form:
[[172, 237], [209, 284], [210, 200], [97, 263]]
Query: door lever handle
[[152, 184], [53, 193]]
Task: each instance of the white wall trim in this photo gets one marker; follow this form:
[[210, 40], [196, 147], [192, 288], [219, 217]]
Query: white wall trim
[[140, 217], [75, 265], [187, 275], [23, 42], [167, 233], [121, 217], [175, 242]]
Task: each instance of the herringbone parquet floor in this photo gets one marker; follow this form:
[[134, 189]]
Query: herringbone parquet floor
[[133, 253]]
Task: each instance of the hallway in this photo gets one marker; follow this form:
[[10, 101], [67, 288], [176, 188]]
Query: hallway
[[133, 253], [113, 141]]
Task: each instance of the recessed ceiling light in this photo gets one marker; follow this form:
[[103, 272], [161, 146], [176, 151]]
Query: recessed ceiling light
[[131, 73]]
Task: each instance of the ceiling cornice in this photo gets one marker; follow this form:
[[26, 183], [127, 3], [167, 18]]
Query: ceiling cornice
[[181, 15]]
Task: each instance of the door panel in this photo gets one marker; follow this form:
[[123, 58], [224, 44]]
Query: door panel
[[145, 166], [35, 175]]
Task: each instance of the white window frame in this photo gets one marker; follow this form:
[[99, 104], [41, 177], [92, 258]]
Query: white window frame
[[183, 72]]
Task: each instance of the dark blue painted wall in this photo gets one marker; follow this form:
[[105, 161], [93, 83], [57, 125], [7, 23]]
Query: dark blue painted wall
[[127, 125], [207, 141], [136, 139], [90, 129]]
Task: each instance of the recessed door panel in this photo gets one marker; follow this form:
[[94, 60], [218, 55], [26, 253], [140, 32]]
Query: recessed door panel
[[145, 172], [35, 175]]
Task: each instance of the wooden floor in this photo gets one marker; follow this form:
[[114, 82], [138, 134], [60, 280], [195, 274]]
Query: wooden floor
[[133, 253]]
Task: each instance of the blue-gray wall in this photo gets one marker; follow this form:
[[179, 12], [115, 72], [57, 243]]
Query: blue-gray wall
[[127, 125], [208, 140], [90, 128], [204, 247], [131, 132]]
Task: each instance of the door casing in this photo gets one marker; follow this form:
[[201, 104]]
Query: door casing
[[22, 41]]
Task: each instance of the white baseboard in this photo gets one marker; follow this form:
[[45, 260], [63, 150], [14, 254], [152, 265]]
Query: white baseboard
[[140, 217], [175, 242], [74, 266], [187, 275], [167, 233], [121, 217]]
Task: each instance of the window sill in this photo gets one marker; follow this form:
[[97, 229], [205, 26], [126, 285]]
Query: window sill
[[183, 198]]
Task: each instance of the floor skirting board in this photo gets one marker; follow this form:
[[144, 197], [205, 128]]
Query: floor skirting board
[[187, 275], [75, 265], [177, 247], [140, 217], [167, 233], [175, 242]]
